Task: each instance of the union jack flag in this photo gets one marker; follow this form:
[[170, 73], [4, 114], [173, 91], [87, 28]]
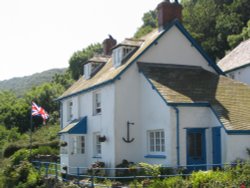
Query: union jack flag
[[39, 111]]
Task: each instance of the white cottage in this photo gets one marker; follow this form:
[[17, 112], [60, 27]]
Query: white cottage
[[159, 99], [236, 64]]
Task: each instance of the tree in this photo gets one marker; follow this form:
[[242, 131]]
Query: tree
[[14, 112], [79, 58], [234, 40], [149, 23]]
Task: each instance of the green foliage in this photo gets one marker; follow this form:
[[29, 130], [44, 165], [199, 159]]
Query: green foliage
[[234, 40], [14, 112], [151, 170], [211, 22], [20, 85], [65, 80], [45, 150], [21, 176], [173, 182], [79, 58], [149, 23]]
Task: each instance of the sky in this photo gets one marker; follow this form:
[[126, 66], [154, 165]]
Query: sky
[[37, 35]]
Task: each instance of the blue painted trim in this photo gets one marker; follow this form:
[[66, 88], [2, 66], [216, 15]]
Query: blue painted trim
[[156, 156], [195, 104], [177, 134], [88, 89], [238, 132], [166, 29], [199, 48], [198, 104], [96, 157], [237, 68], [153, 87], [194, 128]]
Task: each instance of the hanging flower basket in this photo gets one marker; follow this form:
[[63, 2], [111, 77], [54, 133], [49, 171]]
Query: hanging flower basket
[[63, 144], [102, 138]]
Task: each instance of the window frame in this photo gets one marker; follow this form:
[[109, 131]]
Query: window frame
[[97, 105], [156, 142], [97, 145], [70, 111], [79, 145]]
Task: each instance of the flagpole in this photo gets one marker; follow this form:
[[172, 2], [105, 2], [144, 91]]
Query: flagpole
[[31, 131]]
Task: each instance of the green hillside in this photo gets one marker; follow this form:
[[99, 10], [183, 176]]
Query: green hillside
[[20, 85]]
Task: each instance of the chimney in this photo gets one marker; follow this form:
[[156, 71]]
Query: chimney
[[167, 12], [108, 44]]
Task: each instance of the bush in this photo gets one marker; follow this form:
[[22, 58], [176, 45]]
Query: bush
[[20, 176], [172, 182], [20, 155], [11, 149]]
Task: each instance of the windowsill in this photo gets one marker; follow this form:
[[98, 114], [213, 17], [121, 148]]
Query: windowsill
[[97, 157], [97, 114], [156, 156]]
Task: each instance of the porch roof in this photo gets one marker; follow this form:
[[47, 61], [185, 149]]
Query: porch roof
[[182, 85], [75, 127]]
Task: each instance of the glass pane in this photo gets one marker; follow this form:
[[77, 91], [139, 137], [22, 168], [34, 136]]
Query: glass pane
[[198, 145], [191, 144]]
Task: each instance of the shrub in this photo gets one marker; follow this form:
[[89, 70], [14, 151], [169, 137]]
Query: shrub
[[20, 155], [125, 172], [172, 182], [11, 149], [20, 176]]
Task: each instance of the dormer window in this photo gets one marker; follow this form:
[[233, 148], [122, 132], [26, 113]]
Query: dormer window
[[120, 53], [93, 65], [87, 71]]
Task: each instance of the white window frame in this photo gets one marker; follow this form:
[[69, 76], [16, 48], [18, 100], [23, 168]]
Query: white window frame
[[79, 144], [156, 141], [87, 71], [69, 111], [97, 145], [97, 103]]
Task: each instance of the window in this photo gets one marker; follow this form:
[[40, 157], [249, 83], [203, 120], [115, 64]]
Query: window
[[97, 145], [119, 54], [78, 144], [87, 71], [231, 75], [69, 111], [97, 103], [156, 141]]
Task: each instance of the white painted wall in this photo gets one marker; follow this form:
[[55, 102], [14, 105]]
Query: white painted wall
[[154, 114], [103, 123], [174, 48], [242, 75], [234, 147], [127, 109]]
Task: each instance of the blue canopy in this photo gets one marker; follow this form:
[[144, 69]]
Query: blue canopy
[[76, 127]]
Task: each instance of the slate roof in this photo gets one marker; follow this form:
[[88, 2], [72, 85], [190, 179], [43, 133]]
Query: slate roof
[[99, 59], [108, 73], [130, 42], [238, 57], [229, 99]]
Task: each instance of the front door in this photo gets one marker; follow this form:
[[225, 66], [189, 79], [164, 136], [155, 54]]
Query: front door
[[196, 149]]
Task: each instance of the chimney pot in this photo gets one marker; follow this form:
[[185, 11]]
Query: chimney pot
[[108, 44], [167, 12]]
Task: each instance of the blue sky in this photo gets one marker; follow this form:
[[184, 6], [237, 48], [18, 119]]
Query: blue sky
[[38, 35]]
